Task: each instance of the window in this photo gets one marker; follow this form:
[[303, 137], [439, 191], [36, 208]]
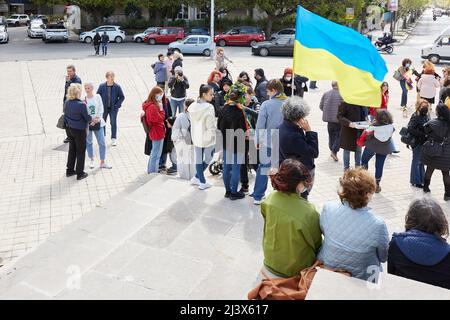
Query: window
[[287, 31], [163, 32], [101, 30], [183, 14], [203, 40], [446, 41], [199, 14], [233, 31], [193, 40], [246, 30], [110, 29]]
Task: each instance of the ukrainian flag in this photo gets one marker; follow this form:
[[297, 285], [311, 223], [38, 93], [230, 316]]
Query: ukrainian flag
[[325, 50]]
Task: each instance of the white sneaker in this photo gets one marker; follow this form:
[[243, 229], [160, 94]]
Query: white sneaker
[[114, 142], [91, 164], [204, 186], [105, 166], [195, 181], [257, 202]]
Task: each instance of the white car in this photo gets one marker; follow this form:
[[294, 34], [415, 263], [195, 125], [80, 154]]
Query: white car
[[114, 32], [36, 29], [18, 19], [139, 37], [194, 45], [4, 38], [440, 49]]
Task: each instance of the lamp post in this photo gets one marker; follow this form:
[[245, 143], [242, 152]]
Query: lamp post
[[212, 30]]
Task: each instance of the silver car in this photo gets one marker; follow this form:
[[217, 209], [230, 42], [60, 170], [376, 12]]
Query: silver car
[[283, 34], [36, 29], [4, 38], [194, 45], [139, 37]]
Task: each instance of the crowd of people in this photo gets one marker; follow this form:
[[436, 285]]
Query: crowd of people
[[263, 126]]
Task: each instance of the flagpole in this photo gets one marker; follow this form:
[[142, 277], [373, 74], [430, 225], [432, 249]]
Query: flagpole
[[293, 65]]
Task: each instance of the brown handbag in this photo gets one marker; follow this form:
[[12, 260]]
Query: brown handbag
[[294, 288]]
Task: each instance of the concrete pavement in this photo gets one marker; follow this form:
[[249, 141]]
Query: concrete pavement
[[134, 253]]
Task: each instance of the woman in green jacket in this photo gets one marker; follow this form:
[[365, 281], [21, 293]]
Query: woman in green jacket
[[292, 235]]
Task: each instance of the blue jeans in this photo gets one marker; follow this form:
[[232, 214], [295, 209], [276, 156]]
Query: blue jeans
[[347, 158], [417, 168], [379, 162], [203, 157], [231, 171], [334, 134], [404, 93], [113, 120], [262, 177], [104, 49], [155, 155], [177, 104], [100, 136], [173, 159]]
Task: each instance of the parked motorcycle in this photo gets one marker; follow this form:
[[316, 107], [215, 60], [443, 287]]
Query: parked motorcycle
[[385, 43]]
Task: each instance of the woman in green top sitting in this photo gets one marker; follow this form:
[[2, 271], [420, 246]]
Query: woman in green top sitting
[[292, 235]]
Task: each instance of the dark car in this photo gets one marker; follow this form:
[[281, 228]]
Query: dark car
[[280, 47], [240, 36], [197, 31]]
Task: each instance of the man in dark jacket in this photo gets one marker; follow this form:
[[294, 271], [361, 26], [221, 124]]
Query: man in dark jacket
[[261, 85], [96, 42], [300, 86], [297, 140], [104, 40], [329, 104], [112, 97], [71, 77], [347, 115], [178, 84]]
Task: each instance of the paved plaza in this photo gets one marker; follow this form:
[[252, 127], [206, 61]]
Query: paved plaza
[[144, 236]]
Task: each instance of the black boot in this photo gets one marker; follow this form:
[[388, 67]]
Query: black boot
[[378, 190], [426, 185], [447, 192]]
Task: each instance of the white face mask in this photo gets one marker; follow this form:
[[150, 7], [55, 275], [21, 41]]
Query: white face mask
[[159, 98], [288, 78]]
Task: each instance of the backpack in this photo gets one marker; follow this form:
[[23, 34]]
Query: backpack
[[145, 124]]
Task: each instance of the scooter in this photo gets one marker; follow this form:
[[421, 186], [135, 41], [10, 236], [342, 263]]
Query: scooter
[[385, 43]]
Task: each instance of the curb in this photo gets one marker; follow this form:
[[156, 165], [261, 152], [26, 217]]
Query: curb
[[409, 30]]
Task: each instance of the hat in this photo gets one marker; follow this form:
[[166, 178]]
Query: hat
[[288, 71]]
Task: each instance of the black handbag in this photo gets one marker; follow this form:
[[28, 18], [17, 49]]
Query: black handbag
[[433, 148], [407, 138], [95, 127]]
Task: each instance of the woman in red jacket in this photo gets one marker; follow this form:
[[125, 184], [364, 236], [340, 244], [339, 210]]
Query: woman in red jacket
[[154, 114]]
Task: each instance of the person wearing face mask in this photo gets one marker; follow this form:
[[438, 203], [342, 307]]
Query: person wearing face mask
[[354, 239], [297, 140], [417, 131], [406, 80], [292, 236], [286, 80], [155, 116]]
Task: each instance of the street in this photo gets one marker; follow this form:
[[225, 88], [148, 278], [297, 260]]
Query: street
[[210, 238]]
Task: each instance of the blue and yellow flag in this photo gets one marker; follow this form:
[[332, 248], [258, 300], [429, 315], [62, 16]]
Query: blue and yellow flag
[[325, 50]]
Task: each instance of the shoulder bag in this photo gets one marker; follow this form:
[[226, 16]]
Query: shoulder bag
[[61, 124], [433, 148]]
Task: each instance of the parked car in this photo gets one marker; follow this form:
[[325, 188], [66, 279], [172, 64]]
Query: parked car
[[284, 33], [115, 34], [36, 29], [55, 32], [440, 49], [139, 37], [40, 17], [197, 31], [240, 36], [280, 47], [4, 38], [197, 44], [165, 35], [18, 19]]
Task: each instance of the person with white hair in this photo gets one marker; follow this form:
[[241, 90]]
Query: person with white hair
[[95, 109], [297, 140], [177, 61]]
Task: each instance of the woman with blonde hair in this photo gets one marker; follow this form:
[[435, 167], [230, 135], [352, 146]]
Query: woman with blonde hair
[[76, 118], [220, 59], [428, 82], [95, 109], [177, 61]]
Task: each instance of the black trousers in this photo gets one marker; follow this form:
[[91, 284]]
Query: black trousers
[[247, 166], [77, 150], [97, 48]]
